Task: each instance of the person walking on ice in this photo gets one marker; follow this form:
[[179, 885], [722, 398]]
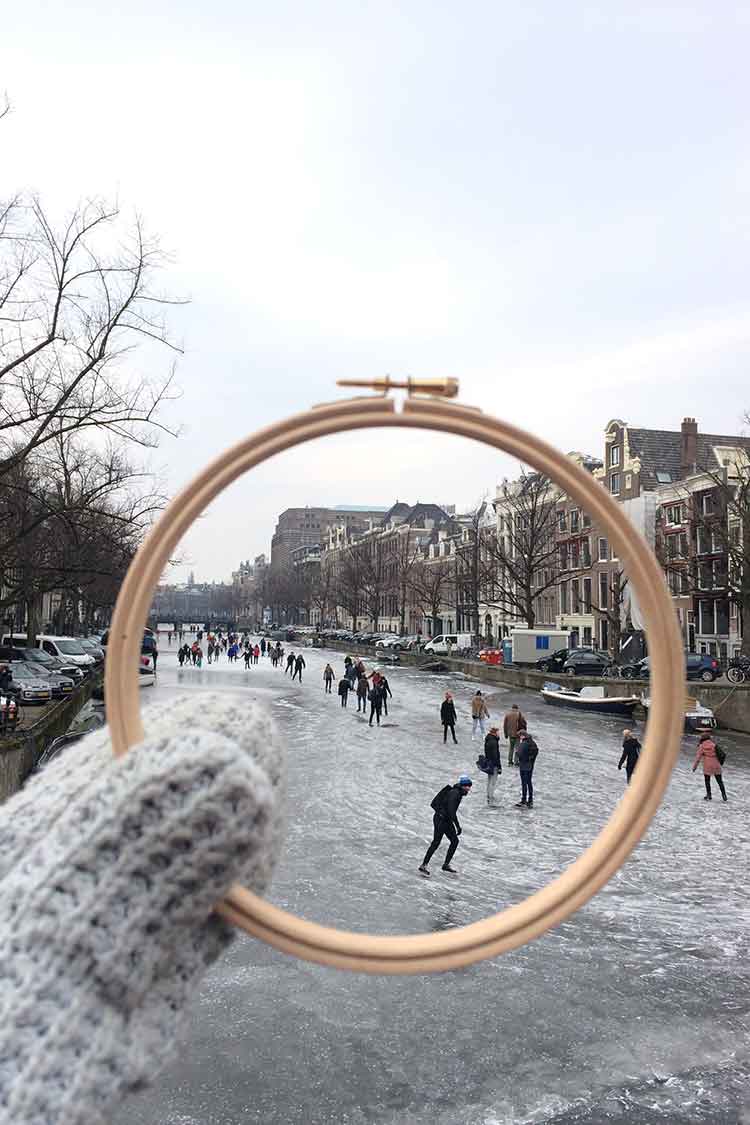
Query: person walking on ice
[[289, 664], [363, 690], [527, 754], [631, 749], [448, 717], [445, 822], [713, 759], [479, 713], [328, 678], [344, 688], [299, 664], [513, 723], [495, 768]]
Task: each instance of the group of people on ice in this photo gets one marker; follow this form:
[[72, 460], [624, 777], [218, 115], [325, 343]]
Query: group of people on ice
[[369, 687]]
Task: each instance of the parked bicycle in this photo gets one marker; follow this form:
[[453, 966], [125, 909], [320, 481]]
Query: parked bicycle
[[738, 670]]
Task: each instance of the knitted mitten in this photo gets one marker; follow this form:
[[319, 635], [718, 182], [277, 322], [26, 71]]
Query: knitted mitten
[[109, 870]]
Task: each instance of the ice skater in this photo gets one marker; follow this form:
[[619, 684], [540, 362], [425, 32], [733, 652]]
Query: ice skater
[[713, 759], [631, 749], [363, 690], [513, 723], [344, 688], [299, 664], [495, 768], [448, 717], [527, 754], [445, 822], [289, 670], [328, 678], [479, 713]]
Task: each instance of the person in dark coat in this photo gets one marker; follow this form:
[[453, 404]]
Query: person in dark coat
[[448, 717], [289, 664], [376, 703], [344, 688], [631, 749], [299, 664], [445, 823], [247, 656], [385, 690], [328, 678], [527, 751], [363, 690], [492, 754]]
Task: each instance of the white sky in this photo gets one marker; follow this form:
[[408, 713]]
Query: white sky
[[549, 201]]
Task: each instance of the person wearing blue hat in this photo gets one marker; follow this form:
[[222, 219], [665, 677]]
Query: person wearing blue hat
[[445, 822]]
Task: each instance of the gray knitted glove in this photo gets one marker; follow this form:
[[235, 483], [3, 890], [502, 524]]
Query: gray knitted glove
[[108, 873]]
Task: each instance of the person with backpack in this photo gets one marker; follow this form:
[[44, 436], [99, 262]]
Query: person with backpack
[[494, 765], [713, 759], [479, 713], [631, 749], [344, 688], [328, 678], [513, 723], [527, 754], [445, 822], [448, 717]]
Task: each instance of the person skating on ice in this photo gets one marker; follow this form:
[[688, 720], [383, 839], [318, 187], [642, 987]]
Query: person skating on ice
[[513, 723], [448, 717], [479, 713], [492, 754], [328, 678], [631, 749], [445, 822], [708, 754], [344, 688], [527, 753], [299, 664]]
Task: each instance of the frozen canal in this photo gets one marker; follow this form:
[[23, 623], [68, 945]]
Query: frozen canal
[[635, 1011]]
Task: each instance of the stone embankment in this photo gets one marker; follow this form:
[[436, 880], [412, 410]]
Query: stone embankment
[[730, 703], [20, 751]]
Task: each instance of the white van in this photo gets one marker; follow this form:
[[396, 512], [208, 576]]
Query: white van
[[66, 648], [449, 642]]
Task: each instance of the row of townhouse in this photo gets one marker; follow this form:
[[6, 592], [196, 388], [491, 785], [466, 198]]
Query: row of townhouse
[[674, 487], [535, 556]]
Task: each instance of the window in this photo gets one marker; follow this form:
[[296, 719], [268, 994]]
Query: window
[[707, 503], [707, 617], [628, 480], [614, 483], [563, 598], [614, 455], [673, 581], [603, 590], [587, 595], [586, 519], [682, 550], [586, 552], [603, 550], [575, 518], [674, 514], [574, 556], [587, 634], [562, 520], [703, 541], [563, 556], [575, 597], [684, 582]]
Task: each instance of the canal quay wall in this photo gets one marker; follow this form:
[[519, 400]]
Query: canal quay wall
[[20, 752], [730, 703]]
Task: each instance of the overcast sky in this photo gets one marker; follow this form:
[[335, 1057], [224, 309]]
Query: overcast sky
[[549, 201]]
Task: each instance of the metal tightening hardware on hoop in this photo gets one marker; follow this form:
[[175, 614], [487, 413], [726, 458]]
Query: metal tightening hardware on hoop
[[420, 953]]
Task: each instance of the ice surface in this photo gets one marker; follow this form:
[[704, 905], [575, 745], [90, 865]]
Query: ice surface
[[634, 1011]]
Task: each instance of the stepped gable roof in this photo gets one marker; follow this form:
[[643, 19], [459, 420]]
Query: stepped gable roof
[[660, 451]]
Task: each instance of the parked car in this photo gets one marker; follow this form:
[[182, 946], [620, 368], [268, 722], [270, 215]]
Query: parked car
[[60, 686], [39, 659], [93, 648], [553, 661], [586, 662], [65, 648], [29, 686], [698, 666]]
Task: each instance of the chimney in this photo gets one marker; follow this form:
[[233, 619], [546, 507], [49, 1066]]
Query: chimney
[[688, 446]]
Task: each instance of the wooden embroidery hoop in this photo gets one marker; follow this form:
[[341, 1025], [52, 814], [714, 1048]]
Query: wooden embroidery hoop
[[512, 927]]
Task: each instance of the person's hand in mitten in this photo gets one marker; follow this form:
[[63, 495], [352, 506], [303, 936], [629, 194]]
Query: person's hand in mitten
[[109, 869]]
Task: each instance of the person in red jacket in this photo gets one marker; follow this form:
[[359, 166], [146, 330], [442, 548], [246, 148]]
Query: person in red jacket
[[711, 765]]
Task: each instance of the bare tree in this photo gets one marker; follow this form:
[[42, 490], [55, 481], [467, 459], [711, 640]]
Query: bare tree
[[522, 559], [373, 578], [75, 304], [348, 583], [406, 556], [431, 584]]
